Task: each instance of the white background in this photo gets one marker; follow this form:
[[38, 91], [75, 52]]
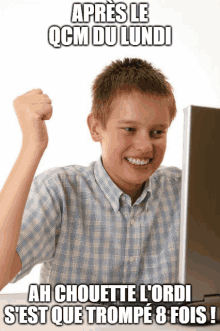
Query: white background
[[191, 64]]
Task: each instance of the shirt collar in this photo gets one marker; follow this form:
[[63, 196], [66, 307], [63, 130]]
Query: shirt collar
[[111, 191]]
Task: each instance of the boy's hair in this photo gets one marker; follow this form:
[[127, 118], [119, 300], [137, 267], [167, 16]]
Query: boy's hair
[[124, 77]]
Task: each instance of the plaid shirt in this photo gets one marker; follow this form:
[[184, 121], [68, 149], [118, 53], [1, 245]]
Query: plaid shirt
[[83, 228]]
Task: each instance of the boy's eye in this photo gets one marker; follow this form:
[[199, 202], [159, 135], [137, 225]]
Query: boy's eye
[[128, 129], [156, 132]]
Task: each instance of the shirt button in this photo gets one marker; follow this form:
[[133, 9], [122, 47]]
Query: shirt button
[[132, 259], [132, 221]]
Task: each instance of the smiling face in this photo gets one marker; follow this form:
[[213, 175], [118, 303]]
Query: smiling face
[[134, 140]]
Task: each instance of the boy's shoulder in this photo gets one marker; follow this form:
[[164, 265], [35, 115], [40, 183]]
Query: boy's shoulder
[[167, 180], [67, 173], [172, 173]]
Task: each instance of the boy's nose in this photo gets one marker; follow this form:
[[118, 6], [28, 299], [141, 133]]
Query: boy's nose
[[144, 143]]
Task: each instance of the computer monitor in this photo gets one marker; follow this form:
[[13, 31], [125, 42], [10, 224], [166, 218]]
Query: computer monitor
[[199, 263]]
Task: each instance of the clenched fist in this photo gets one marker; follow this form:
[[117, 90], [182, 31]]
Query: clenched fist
[[32, 109]]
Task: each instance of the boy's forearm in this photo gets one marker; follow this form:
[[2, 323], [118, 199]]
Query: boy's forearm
[[13, 198]]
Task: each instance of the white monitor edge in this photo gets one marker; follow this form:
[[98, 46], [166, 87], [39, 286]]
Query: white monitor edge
[[184, 196]]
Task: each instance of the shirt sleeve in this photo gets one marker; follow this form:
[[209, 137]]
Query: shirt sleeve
[[40, 225]]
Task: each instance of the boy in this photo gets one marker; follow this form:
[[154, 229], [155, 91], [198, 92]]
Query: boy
[[116, 221]]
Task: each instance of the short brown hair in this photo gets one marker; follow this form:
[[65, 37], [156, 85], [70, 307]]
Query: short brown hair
[[123, 77]]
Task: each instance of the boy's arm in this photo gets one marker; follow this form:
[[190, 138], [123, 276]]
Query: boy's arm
[[31, 109]]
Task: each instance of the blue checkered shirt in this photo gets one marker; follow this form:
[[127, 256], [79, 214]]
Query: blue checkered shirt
[[83, 228]]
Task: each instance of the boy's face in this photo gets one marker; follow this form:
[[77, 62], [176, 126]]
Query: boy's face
[[134, 140]]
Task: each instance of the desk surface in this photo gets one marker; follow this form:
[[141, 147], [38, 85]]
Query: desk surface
[[20, 299]]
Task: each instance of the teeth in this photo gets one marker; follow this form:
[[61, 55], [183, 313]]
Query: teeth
[[137, 161]]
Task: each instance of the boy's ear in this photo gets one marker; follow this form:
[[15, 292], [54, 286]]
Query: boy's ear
[[94, 128]]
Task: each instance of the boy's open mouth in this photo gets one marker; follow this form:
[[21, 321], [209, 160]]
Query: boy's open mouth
[[139, 162]]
